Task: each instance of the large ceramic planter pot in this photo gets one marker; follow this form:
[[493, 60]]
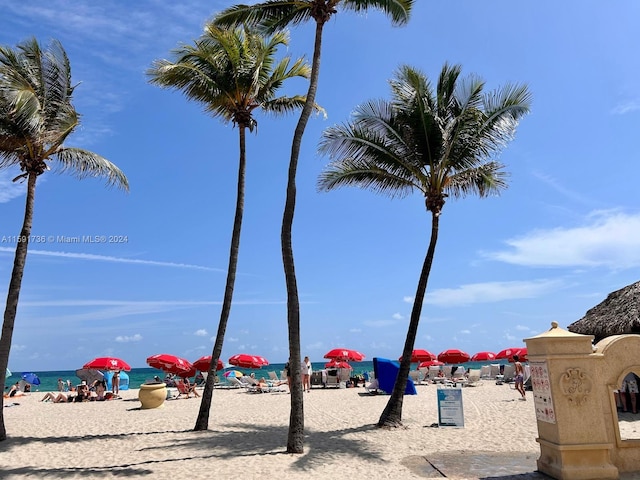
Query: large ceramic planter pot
[[152, 395]]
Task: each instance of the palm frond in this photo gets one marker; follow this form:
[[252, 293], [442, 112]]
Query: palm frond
[[268, 17], [398, 10], [85, 164]]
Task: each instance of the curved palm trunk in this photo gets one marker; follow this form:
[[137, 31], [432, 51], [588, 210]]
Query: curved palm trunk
[[295, 439], [202, 422], [14, 291], [392, 413]]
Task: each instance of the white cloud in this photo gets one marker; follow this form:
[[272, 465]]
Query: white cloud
[[489, 292], [397, 316], [626, 107], [200, 333], [355, 330], [407, 299], [125, 339], [9, 189], [609, 239], [465, 332]]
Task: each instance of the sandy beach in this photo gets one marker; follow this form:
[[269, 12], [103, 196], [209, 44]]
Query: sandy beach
[[247, 435]]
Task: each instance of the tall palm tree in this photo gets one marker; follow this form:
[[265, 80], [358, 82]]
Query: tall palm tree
[[273, 15], [440, 143], [36, 117], [231, 72]]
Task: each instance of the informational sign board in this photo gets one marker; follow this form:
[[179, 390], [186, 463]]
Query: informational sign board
[[450, 412], [542, 399]]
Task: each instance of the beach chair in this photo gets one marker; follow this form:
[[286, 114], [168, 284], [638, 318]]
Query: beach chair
[[434, 371], [273, 376], [485, 371], [186, 390], [447, 371], [474, 378], [494, 370], [509, 373], [415, 376]]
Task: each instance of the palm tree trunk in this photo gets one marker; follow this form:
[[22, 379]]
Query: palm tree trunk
[[392, 413], [295, 440], [202, 422], [14, 291]]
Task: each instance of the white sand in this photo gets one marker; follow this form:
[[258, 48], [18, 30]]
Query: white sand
[[248, 432]]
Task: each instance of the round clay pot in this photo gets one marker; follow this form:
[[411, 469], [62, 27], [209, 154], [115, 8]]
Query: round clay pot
[[152, 395]]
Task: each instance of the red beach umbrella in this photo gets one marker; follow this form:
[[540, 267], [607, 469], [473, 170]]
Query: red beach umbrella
[[107, 363], [508, 353], [483, 357], [203, 364], [522, 355], [171, 364], [344, 354], [453, 355], [244, 360], [338, 364], [420, 355], [430, 363]]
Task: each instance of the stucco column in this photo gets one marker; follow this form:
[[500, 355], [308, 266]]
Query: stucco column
[[572, 434]]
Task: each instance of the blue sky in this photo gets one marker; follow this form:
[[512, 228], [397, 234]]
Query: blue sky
[[565, 233]]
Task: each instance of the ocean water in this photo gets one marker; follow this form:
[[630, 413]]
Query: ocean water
[[137, 376]]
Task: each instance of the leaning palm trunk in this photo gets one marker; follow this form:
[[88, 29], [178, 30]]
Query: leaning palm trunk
[[295, 439], [14, 291], [202, 422], [392, 413]]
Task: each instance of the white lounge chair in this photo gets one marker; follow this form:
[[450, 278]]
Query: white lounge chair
[[474, 378], [415, 376]]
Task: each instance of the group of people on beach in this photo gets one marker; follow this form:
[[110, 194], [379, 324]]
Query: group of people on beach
[[305, 373], [97, 392]]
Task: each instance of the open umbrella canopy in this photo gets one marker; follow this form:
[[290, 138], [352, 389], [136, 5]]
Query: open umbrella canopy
[[107, 363], [344, 354], [420, 355], [508, 353], [233, 373], [618, 314], [171, 364], [453, 355], [203, 364], [89, 375], [483, 357], [244, 360], [31, 378], [338, 364], [8, 374], [430, 363]]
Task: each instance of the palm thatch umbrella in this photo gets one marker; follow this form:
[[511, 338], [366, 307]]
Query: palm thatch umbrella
[[618, 314]]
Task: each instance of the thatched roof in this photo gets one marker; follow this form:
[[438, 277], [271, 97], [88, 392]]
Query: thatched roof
[[619, 313]]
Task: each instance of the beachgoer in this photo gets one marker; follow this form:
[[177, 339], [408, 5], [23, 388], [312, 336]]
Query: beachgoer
[[519, 376], [58, 398], [629, 386], [115, 382], [14, 390], [101, 388], [287, 373], [60, 385], [306, 374]]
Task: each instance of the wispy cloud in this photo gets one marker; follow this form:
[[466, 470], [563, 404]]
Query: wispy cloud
[[626, 107], [125, 339], [106, 258], [490, 292], [9, 189], [562, 189], [397, 316], [609, 239]]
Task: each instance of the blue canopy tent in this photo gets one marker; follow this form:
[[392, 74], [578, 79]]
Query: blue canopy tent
[[386, 372], [124, 380]]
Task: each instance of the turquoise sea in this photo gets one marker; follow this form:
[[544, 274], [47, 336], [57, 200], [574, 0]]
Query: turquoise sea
[[137, 376]]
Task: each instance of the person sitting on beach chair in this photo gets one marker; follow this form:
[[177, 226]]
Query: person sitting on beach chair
[[186, 389]]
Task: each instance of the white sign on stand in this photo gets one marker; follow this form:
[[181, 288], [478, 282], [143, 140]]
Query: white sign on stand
[[450, 412]]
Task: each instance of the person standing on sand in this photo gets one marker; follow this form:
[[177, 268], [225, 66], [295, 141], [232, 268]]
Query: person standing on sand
[[519, 376], [115, 382], [306, 374]]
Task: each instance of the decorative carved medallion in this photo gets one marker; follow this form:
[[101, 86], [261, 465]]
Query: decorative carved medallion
[[576, 385]]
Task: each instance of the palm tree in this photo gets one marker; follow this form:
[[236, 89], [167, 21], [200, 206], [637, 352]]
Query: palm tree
[[273, 15], [231, 72], [36, 117], [441, 143]]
